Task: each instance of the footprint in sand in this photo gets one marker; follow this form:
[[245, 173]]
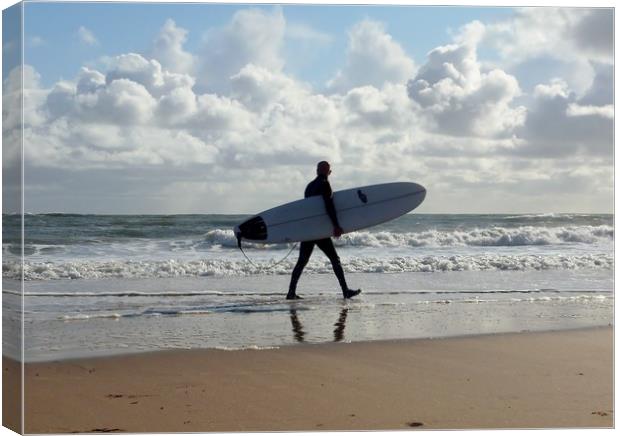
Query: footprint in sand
[[127, 396], [599, 413], [415, 424]]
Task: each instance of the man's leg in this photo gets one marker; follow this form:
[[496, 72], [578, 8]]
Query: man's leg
[[305, 250], [327, 246]]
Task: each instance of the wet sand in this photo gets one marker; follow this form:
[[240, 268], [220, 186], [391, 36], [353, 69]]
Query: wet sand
[[523, 380]]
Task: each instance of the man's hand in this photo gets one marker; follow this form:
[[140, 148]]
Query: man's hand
[[338, 231]]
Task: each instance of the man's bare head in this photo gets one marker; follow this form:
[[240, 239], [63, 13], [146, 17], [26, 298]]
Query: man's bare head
[[323, 168]]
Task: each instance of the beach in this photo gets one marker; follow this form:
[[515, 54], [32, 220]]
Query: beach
[[517, 380]]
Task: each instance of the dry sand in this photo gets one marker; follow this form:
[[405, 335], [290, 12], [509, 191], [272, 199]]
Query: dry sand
[[526, 380]]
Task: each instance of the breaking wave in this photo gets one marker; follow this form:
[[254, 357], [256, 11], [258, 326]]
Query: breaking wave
[[487, 237], [223, 240], [173, 268]]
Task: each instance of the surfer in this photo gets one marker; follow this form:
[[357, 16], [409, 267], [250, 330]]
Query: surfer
[[320, 186]]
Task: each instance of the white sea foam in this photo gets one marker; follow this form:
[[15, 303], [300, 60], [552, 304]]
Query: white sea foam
[[173, 268], [222, 243], [83, 317], [478, 237], [489, 237]]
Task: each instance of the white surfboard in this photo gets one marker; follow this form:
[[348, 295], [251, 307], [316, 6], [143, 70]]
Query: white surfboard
[[307, 219]]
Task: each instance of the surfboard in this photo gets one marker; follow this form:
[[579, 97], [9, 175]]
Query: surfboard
[[356, 208]]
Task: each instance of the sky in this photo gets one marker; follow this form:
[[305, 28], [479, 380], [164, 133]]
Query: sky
[[197, 108]]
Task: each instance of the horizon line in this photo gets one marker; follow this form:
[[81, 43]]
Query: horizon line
[[244, 213]]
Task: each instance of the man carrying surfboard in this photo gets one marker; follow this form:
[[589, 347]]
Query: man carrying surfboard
[[320, 186]]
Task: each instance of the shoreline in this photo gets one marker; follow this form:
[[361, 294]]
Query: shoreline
[[548, 379], [122, 353]]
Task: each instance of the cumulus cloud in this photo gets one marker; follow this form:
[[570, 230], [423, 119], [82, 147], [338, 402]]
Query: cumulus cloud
[[178, 106], [259, 88], [559, 124], [120, 100], [168, 49], [89, 81], [555, 32], [574, 38], [373, 58], [371, 108], [23, 85], [148, 73], [253, 36], [459, 97], [112, 120]]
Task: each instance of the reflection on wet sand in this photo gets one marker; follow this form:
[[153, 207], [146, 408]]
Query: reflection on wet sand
[[339, 330], [298, 329]]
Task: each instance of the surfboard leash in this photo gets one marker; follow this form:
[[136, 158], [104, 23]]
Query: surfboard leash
[[264, 267]]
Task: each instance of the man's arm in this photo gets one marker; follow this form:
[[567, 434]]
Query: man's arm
[[331, 209]]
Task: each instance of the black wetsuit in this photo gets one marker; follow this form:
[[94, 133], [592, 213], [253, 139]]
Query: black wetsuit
[[319, 186]]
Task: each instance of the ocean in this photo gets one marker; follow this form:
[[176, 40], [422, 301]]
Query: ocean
[[107, 284]]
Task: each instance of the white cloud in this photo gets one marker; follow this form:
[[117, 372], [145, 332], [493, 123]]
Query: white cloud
[[22, 85], [138, 69], [558, 125], [372, 108], [253, 37], [576, 110], [459, 97], [259, 88], [373, 58], [86, 36], [563, 33], [217, 115], [574, 38], [168, 49], [177, 106], [125, 102], [89, 81], [148, 73], [557, 87], [121, 101]]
